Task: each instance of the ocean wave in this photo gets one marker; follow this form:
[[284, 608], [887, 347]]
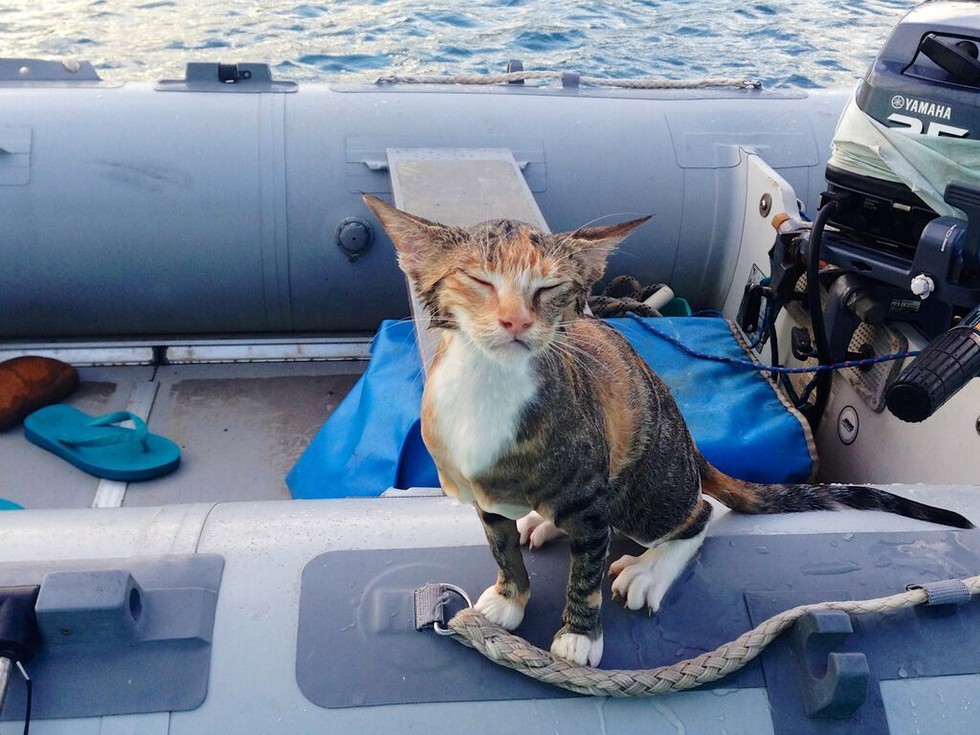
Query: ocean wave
[[797, 43]]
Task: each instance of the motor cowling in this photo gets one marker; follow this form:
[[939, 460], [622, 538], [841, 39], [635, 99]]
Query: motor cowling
[[904, 177], [906, 152]]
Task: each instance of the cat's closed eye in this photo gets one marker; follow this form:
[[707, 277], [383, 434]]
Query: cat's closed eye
[[541, 290], [482, 282], [547, 289]]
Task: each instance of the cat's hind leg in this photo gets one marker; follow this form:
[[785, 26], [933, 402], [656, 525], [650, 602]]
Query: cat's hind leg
[[503, 603], [536, 530], [642, 581]]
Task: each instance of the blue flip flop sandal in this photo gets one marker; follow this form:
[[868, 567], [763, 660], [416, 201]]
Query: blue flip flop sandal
[[98, 446]]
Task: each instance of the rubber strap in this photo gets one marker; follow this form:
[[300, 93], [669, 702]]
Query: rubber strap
[[84, 436], [946, 592], [430, 606]]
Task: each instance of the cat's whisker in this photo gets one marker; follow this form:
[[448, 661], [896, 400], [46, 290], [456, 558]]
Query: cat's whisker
[[576, 353], [581, 338], [584, 346], [582, 357], [418, 376], [601, 217], [391, 324]]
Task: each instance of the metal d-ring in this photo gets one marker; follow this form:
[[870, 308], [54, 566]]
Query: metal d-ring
[[439, 627]]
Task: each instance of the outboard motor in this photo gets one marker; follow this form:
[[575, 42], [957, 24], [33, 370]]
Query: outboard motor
[[903, 204]]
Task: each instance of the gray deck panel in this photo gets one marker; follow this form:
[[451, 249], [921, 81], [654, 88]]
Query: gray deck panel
[[36, 478], [239, 436], [240, 428], [360, 602]]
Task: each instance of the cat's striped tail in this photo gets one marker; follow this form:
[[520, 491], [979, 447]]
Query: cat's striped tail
[[748, 497]]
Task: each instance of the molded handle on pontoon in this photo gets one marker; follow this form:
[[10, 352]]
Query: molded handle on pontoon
[[944, 366], [841, 687]]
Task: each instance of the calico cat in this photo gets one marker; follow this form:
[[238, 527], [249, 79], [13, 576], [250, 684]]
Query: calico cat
[[548, 421]]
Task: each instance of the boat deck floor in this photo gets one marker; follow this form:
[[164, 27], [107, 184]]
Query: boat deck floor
[[240, 427]]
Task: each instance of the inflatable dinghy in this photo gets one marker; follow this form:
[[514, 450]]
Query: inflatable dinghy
[[198, 249]]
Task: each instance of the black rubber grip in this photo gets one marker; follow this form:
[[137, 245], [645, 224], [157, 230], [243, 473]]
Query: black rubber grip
[[953, 57], [946, 364], [19, 637]]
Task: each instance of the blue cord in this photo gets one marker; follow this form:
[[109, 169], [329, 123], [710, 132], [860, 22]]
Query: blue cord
[[713, 313], [768, 368]]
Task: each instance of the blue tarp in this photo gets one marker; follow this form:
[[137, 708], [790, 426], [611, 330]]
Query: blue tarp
[[372, 441]]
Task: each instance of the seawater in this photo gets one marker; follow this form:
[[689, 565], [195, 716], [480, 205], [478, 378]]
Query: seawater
[[796, 43]]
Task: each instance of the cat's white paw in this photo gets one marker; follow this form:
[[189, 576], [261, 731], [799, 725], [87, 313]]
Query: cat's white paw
[[638, 583], [536, 531], [622, 562], [642, 581], [577, 648], [506, 612]]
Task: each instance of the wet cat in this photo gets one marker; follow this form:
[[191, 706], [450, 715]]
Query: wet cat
[[529, 406]]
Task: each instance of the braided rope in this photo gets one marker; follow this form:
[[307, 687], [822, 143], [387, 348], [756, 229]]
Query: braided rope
[[471, 628], [622, 295], [521, 76]]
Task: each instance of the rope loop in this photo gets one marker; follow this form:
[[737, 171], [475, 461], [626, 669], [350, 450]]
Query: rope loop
[[524, 76], [472, 629]]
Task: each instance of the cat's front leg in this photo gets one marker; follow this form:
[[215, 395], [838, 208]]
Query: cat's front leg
[[580, 638], [503, 603]]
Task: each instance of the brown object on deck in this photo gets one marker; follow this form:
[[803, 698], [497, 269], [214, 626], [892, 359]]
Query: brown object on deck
[[28, 383]]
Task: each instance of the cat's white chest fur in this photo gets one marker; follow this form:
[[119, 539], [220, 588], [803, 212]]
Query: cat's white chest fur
[[477, 404]]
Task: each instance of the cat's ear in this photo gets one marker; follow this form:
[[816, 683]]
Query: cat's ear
[[592, 245], [411, 235]]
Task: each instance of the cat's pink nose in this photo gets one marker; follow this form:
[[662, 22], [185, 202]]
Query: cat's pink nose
[[516, 328], [516, 321]]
